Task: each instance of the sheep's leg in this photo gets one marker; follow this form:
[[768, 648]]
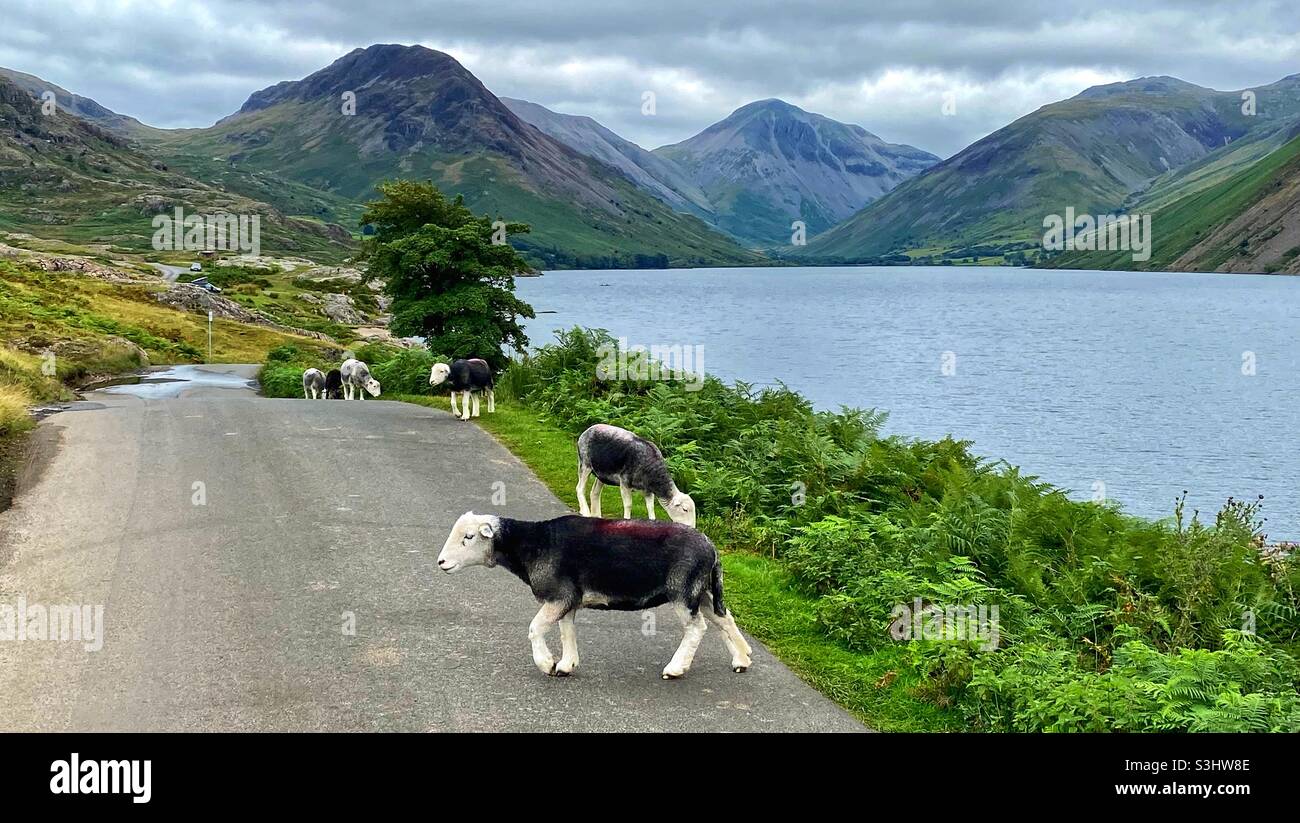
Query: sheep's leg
[[681, 662], [737, 646], [476, 397], [454, 411], [304, 393], [596, 488], [547, 616], [492, 401], [569, 645], [584, 472], [626, 492], [650, 506], [464, 405]]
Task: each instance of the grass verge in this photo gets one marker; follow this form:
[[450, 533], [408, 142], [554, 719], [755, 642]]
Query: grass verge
[[767, 601]]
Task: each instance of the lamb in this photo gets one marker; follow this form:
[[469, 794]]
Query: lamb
[[356, 377], [334, 385], [575, 562], [313, 384], [471, 376], [619, 458]]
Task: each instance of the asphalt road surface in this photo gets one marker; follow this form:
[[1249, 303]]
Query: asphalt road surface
[[234, 540], [170, 273]]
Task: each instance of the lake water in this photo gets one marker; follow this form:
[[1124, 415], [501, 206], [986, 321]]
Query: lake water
[[1134, 384]]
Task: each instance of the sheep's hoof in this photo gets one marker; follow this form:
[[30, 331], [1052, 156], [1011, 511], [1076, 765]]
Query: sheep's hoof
[[560, 673], [740, 669], [669, 676]]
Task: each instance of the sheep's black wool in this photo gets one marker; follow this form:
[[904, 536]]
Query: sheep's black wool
[[626, 565], [334, 384], [470, 375], [618, 457]]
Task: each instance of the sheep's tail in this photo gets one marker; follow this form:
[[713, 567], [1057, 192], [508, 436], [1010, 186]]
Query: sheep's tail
[[719, 608]]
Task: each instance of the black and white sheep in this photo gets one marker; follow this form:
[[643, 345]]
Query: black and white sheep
[[313, 384], [334, 385], [470, 377], [617, 457], [574, 562], [357, 380]]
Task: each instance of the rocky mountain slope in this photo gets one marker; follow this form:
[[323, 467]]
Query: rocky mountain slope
[[419, 114], [1097, 152]]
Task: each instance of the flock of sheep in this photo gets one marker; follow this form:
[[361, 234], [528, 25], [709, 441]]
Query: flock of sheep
[[583, 561]]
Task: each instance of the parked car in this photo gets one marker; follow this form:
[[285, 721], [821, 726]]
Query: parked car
[[196, 267], [202, 282]]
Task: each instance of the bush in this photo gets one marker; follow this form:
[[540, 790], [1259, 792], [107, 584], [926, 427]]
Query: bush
[[406, 372]]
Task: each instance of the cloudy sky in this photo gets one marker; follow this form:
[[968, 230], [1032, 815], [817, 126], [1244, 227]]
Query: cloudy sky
[[884, 64]]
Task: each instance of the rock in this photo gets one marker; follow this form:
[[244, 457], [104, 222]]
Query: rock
[[187, 297], [152, 204], [311, 297], [341, 308]]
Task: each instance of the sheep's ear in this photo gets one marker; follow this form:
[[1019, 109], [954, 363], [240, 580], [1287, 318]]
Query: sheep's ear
[[485, 530]]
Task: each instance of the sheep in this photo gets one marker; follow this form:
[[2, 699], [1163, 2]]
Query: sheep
[[313, 384], [617, 457], [356, 377], [471, 376], [334, 385], [575, 562]]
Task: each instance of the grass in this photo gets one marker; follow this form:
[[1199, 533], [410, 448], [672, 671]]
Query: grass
[[41, 310], [767, 601], [1181, 225]]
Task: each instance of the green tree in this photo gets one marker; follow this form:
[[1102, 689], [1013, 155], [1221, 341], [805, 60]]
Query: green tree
[[449, 281]]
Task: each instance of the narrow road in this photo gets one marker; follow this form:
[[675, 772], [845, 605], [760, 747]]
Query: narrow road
[[170, 273], [232, 539]]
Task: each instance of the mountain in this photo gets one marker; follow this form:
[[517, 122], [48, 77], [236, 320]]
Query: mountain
[[420, 114], [648, 172], [82, 107], [770, 163], [1097, 152], [63, 177], [1248, 222]]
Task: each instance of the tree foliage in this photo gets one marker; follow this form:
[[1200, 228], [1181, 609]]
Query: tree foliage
[[449, 281]]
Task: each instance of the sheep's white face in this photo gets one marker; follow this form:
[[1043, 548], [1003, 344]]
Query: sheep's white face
[[438, 373], [681, 509], [372, 386], [470, 542]]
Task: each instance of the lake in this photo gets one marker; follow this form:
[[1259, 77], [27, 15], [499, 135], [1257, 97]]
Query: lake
[[1139, 385]]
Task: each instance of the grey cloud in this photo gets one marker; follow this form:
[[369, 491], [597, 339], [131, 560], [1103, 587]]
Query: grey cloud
[[883, 65]]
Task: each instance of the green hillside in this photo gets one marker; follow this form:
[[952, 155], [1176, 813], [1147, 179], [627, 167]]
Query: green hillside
[[1196, 231]]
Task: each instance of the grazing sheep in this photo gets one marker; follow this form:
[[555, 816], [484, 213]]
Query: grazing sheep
[[471, 376], [619, 458], [313, 384], [356, 378], [575, 562], [334, 385]]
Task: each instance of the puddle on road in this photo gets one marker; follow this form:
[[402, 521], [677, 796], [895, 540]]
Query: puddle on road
[[171, 381]]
